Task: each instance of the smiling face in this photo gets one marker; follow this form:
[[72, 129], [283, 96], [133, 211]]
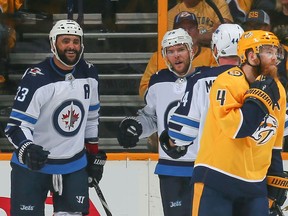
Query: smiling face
[[179, 58], [68, 48]]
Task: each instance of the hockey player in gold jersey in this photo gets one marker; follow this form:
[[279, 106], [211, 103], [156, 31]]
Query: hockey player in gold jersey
[[243, 133]]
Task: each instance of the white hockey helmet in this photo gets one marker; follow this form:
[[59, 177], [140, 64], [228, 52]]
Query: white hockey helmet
[[175, 37], [65, 27], [225, 40]]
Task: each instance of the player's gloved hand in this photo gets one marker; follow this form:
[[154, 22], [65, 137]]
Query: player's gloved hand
[[95, 166], [174, 152], [264, 92], [129, 131], [277, 185], [32, 155]]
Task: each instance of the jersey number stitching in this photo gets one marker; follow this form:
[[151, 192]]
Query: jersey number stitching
[[221, 96]]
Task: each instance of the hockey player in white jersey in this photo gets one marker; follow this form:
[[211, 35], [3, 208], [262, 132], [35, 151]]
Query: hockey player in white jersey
[[164, 92], [54, 129], [186, 124]]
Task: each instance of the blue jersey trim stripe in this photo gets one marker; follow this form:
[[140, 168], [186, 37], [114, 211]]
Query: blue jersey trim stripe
[[182, 171], [94, 107], [184, 121], [175, 135], [23, 117], [58, 168]]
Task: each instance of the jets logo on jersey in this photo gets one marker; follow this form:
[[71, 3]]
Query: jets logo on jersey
[[35, 71], [266, 130], [169, 111], [68, 117]]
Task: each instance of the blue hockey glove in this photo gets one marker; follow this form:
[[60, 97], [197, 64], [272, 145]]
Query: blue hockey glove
[[32, 155], [129, 131], [173, 152], [95, 166]]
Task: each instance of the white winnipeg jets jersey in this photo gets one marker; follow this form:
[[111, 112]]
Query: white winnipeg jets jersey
[[57, 111], [164, 93], [186, 124]]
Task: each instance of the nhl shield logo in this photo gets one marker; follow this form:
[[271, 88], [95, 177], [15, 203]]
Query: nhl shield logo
[[68, 117]]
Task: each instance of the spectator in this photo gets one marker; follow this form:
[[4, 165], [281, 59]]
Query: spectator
[[239, 9], [7, 33], [279, 21], [257, 20], [208, 21], [202, 57]]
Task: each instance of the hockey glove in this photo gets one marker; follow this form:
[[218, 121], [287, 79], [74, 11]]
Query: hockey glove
[[174, 152], [129, 131], [277, 185], [95, 166], [32, 155], [264, 92]]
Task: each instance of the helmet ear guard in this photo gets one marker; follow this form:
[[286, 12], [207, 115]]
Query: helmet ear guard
[[65, 27]]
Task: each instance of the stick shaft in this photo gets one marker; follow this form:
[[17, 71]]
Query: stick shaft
[[102, 198]]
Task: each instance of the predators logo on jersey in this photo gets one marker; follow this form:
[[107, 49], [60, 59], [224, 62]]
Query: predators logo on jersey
[[266, 130], [235, 73]]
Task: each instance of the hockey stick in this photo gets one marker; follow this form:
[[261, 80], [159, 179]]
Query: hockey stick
[[279, 210], [215, 8], [101, 197]]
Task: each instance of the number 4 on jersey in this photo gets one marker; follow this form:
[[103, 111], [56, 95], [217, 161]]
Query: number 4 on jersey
[[221, 94]]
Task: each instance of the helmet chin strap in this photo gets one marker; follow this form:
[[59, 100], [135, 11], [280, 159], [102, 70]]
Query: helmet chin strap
[[257, 67], [54, 51], [187, 72]]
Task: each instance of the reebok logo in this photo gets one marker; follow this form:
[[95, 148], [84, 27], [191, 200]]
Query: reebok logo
[[26, 208]]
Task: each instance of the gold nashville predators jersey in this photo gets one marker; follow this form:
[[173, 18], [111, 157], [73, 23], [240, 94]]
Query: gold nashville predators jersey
[[224, 156]]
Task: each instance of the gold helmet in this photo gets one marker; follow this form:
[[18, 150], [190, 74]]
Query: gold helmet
[[254, 40]]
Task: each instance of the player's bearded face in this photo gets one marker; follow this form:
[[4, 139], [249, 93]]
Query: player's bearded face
[[269, 60], [179, 58], [69, 56]]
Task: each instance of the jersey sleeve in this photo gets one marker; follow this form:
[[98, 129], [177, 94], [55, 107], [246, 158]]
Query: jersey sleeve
[[147, 116], [224, 9], [91, 130], [26, 108], [226, 99]]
